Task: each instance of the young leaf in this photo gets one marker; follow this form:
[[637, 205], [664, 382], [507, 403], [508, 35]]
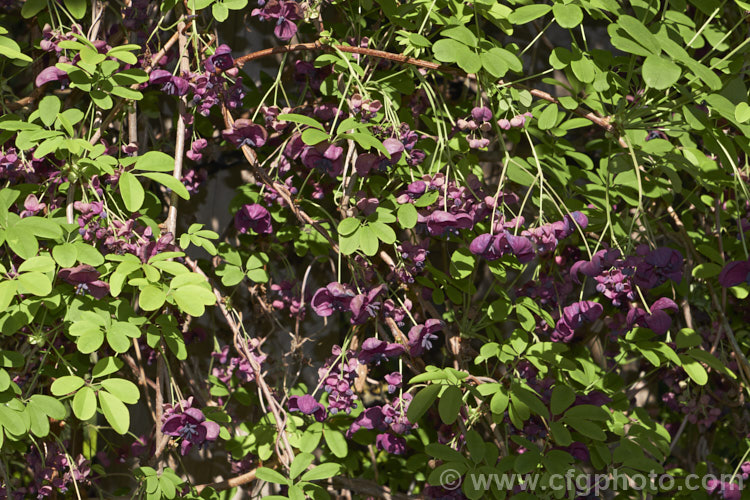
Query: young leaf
[[115, 412]]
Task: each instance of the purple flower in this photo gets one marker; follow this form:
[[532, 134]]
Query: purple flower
[[221, 59], [86, 279], [246, 133], [170, 84], [369, 161], [364, 306], [494, 246], [52, 74], [284, 13], [394, 381], [574, 316], [374, 351], [195, 150], [326, 157], [253, 217], [658, 321], [422, 336], [333, 297], [481, 114], [188, 423], [658, 266], [735, 273], [391, 443], [307, 405], [371, 419], [31, 206]]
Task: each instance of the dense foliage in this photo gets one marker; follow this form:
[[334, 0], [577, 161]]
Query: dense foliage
[[471, 237]]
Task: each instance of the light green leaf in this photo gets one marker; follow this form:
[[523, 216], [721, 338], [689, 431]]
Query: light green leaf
[[323, 471], [35, 283], [301, 119], [115, 412], [336, 442], [131, 190], [450, 404], [270, 476], [84, 403], [348, 226], [567, 16], [106, 366], [368, 240], [65, 255], [299, 464], [313, 136], [66, 384], [49, 405], [461, 34], [407, 216], [76, 7], [151, 298], [422, 402], [742, 112], [124, 390], [528, 13], [384, 232], [49, 107], [155, 161]]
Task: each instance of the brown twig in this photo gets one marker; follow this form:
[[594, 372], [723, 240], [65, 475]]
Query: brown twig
[[601, 121], [232, 482]]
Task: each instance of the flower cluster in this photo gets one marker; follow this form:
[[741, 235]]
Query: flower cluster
[[189, 424]]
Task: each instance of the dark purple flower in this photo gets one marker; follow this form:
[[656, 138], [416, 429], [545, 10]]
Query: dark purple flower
[[170, 84], [422, 336], [285, 12], [188, 423], [253, 217], [371, 419], [86, 279], [735, 273], [52, 74], [658, 266], [375, 350], [333, 297], [221, 59], [365, 306], [658, 321], [246, 133], [494, 246], [391, 443], [574, 316], [326, 157], [307, 405]]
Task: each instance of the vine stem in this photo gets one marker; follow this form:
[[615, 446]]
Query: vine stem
[[179, 147], [601, 121]]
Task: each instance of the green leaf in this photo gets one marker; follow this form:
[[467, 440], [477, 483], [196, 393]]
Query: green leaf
[[117, 340], [124, 390], [323, 471], [348, 226], [742, 112], [567, 16], [66, 384], [49, 405], [640, 33], [301, 119], [90, 341], [313, 136], [87, 254], [21, 241], [461, 34], [562, 397], [407, 216], [299, 464], [35, 283], [170, 182], [336, 442], [450, 404], [587, 428], [548, 118], [384, 232], [77, 8], [694, 369], [368, 240], [660, 73], [65, 255], [49, 108], [115, 412], [448, 50], [132, 191], [155, 161], [41, 227], [7, 293], [528, 13], [499, 402], [270, 476], [422, 402], [32, 7], [151, 298], [193, 298], [220, 12], [106, 366], [84, 403]]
